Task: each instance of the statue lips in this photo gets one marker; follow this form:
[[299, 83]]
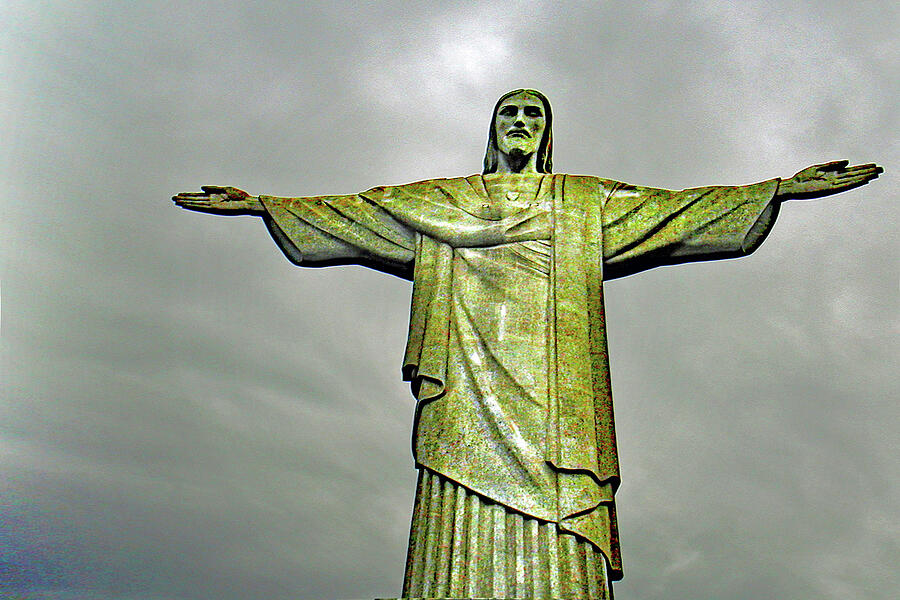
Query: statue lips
[[518, 133]]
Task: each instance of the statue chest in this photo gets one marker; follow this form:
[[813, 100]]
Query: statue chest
[[506, 197]]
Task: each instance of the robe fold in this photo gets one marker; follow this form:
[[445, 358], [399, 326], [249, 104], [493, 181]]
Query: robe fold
[[507, 352]]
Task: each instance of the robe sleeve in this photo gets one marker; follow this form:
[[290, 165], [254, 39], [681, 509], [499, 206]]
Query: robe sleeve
[[648, 227], [339, 230], [379, 228]]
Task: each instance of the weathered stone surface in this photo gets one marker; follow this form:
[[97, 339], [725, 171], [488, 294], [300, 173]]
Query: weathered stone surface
[[514, 432]]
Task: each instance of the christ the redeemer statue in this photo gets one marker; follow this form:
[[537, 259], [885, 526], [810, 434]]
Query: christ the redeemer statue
[[513, 436]]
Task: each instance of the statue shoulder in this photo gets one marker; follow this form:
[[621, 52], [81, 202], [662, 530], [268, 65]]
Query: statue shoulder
[[427, 186], [465, 193], [593, 179], [599, 188]]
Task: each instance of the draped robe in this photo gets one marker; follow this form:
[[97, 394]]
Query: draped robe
[[507, 349]]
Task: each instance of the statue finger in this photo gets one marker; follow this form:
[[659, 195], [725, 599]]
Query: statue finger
[[869, 168], [193, 201], [190, 203], [872, 170], [183, 200], [861, 172], [868, 176], [852, 182]]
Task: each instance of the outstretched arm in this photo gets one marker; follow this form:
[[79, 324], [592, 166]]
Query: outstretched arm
[[220, 200], [647, 227], [462, 231], [376, 229], [826, 179], [318, 236]]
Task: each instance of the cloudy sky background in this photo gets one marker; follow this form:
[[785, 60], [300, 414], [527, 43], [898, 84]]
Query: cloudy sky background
[[187, 415]]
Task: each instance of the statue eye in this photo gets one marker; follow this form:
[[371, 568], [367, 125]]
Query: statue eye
[[532, 111], [509, 111]]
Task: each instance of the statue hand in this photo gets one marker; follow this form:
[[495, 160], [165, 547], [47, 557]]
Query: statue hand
[[220, 200], [826, 179], [532, 223]]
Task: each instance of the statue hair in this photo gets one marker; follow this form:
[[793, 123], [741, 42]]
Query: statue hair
[[544, 162]]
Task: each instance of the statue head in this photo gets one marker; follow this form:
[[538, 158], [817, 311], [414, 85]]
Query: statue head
[[519, 135]]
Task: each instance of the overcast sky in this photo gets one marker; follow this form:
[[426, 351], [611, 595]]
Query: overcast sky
[[186, 415]]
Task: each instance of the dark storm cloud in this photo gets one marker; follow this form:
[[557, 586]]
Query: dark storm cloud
[[187, 415]]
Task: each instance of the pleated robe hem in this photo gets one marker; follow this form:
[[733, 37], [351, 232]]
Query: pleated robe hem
[[465, 546]]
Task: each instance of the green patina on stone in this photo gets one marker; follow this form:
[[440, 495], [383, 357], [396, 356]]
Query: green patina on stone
[[514, 434]]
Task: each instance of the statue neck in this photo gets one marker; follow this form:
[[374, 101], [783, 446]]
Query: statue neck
[[521, 163]]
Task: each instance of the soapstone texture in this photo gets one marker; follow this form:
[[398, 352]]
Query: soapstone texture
[[514, 434]]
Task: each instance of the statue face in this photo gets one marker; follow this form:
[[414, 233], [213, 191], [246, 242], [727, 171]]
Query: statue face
[[520, 125]]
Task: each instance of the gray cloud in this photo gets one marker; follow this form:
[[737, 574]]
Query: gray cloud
[[187, 415]]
